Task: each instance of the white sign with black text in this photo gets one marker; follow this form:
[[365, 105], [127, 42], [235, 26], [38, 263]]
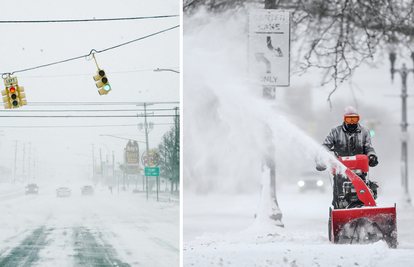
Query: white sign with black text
[[269, 46]]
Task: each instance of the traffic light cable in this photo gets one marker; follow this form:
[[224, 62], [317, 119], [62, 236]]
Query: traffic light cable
[[92, 52], [84, 20]]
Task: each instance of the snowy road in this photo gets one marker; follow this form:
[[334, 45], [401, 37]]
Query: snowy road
[[101, 230], [219, 231]]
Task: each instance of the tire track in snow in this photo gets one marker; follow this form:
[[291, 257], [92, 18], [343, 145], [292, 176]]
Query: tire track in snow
[[93, 252], [26, 254]]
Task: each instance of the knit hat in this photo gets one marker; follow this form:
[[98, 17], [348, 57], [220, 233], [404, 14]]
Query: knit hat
[[350, 110]]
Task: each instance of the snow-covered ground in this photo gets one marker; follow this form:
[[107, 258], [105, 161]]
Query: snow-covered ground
[[101, 230], [219, 230]]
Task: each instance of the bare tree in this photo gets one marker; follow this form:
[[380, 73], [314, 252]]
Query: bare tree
[[336, 36]]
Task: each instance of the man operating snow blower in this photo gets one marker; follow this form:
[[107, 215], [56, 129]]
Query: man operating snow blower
[[349, 139], [354, 216]]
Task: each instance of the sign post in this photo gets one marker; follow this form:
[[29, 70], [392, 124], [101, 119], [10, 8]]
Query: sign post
[[153, 171]]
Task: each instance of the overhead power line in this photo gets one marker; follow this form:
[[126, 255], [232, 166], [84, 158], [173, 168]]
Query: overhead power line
[[85, 20], [97, 103], [85, 110], [80, 126], [86, 116], [93, 51]]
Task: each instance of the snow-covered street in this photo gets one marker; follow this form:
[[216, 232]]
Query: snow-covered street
[[219, 230], [100, 230]]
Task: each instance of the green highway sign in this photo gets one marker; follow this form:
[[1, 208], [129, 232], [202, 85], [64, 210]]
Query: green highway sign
[[152, 171]]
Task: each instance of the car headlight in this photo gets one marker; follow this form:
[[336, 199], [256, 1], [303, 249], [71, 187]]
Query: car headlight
[[35, 189], [319, 183], [301, 183], [27, 189]]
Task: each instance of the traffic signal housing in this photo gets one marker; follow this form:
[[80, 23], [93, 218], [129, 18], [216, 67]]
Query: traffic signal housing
[[102, 82], [13, 96]]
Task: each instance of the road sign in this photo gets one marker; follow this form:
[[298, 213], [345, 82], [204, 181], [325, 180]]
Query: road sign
[[152, 171], [269, 46], [154, 157], [12, 80]]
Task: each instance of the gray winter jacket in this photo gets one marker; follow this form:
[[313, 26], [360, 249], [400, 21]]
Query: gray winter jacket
[[344, 143]]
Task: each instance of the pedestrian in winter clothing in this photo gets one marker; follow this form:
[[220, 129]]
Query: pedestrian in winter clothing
[[348, 139]]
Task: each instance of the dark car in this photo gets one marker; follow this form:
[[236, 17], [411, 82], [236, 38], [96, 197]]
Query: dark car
[[311, 181], [87, 190], [32, 189]]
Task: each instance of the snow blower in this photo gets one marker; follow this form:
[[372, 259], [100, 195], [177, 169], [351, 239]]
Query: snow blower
[[358, 220]]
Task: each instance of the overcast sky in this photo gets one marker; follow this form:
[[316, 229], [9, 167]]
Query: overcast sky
[[129, 68]]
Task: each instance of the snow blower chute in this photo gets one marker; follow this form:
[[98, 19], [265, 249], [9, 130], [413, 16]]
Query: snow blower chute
[[358, 220]]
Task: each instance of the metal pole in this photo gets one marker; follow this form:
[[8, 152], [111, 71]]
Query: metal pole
[[269, 92], [146, 140], [176, 150], [30, 149], [93, 165], [404, 135], [24, 155], [100, 155], [15, 162], [113, 169]]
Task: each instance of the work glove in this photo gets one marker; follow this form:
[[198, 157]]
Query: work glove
[[373, 161], [320, 167]]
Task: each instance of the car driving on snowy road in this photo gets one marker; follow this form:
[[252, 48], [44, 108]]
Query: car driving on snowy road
[[311, 181], [32, 189], [87, 190], [63, 192]]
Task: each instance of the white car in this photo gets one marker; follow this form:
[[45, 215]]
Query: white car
[[63, 192]]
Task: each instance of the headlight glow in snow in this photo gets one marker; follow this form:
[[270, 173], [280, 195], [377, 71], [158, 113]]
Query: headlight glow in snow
[[319, 183], [301, 183]]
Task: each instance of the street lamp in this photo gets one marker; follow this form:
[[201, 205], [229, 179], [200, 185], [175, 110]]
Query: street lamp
[[404, 134], [158, 69]]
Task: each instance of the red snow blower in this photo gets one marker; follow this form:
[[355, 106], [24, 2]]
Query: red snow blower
[[358, 220]]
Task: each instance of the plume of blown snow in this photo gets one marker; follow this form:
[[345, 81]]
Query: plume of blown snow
[[226, 119]]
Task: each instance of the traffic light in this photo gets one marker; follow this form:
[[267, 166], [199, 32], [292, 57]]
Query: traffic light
[[102, 82], [372, 126], [12, 95]]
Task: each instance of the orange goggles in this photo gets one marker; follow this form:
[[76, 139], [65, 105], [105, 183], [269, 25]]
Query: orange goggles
[[351, 119]]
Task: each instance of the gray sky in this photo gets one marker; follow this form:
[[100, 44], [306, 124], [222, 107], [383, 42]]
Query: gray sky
[[129, 70]]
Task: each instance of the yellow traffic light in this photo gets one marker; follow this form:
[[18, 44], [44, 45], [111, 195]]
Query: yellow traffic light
[[102, 82], [12, 95]]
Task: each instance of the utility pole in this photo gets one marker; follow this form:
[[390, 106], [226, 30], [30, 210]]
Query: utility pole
[[146, 140], [176, 150], [34, 164], [93, 164], [30, 149], [24, 154], [113, 169], [100, 155], [15, 162], [146, 126]]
